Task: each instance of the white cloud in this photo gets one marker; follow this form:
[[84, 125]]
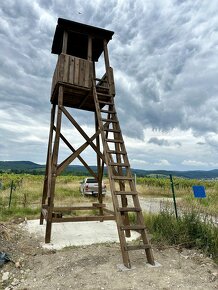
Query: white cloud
[[164, 55], [194, 163], [162, 162]]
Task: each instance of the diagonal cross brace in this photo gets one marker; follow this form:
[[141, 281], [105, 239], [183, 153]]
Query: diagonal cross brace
[[79, 157], [74, 155], [77, 126]]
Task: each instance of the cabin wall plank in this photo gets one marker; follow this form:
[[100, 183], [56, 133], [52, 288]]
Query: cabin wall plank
[[73, 70]]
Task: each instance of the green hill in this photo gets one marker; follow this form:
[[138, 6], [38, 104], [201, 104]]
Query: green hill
[[19, 165], [34, 168]]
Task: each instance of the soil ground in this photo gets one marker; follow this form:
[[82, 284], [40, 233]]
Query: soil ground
[[97, 267]]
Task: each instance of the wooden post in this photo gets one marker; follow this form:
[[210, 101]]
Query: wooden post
[[174, 196], [46, 188], [106, 56], [54, 167], [89, 54], [108, 70], [11, 190], [64, 44]]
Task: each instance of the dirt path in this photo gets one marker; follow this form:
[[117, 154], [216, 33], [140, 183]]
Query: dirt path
[[95, 267]]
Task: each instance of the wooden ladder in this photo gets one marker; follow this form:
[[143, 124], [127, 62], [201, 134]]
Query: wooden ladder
[[122, 185]]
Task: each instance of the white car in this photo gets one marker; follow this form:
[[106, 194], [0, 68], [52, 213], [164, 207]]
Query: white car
[[89, 186]]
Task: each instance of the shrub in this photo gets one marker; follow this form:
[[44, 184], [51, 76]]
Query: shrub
[[191, 230]]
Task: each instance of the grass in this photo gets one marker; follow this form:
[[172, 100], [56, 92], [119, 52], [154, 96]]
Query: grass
[[18, 212], [184, 193], [28, 190], [26, 195], [190, 230], [194, 227]]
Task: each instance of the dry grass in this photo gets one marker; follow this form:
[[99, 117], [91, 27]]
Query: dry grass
[[186, 197], [26, 198]]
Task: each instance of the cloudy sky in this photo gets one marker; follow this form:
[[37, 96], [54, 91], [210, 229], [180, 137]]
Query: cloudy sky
[[164, 55]]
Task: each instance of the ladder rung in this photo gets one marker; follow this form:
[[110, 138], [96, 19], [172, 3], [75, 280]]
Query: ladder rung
[[101, 87], [116, 152], [127, 209], [119, 164], [108, 111], [104, 94], [112, 130], [133, 227], [114, 140], [104, 102], [100, 80], [138, 247], [116, 177], [125, 193], [109, 120]]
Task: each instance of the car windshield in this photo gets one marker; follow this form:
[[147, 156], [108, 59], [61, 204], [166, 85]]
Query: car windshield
[[92, 181]]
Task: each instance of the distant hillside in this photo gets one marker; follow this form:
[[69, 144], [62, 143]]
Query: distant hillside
[[19, 165], [195, 174], [34, 168]]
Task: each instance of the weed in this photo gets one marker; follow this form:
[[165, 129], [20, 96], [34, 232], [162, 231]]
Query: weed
[[15, 212], [191, 230]]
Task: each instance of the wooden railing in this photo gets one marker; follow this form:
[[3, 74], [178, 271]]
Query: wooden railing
[[73, 70], [107, 81]]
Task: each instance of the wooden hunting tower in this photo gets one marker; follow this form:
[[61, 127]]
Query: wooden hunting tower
[[75, 85]]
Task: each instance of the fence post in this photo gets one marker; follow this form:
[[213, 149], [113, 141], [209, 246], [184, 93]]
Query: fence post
[[10, 197], [174, 197]]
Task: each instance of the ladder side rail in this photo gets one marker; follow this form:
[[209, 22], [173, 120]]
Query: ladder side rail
[[123, 244], [124, 200], [99, 169]]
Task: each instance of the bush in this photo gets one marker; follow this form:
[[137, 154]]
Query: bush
[[191, 230]]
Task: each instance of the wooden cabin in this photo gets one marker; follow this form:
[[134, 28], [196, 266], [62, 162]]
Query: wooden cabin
[[79, 47]]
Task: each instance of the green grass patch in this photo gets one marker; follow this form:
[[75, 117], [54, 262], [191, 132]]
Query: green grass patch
[[188, 231], [7, 214]]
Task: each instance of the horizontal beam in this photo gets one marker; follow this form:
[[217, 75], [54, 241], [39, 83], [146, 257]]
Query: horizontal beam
[[108, 211], [97, 205], [72, 208], [83, 218]]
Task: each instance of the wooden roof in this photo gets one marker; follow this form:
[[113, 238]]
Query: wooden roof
[[78, 38]]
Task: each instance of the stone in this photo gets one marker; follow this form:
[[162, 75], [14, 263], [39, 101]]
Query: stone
[[156, 264], [5, 276], [122, 268], [15, 282], [9, 288], [17, 264]]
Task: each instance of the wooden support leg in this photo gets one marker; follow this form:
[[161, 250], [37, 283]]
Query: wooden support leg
[[50, 211], [48, 163], [48, 232], [53, 171], [44, 195]]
